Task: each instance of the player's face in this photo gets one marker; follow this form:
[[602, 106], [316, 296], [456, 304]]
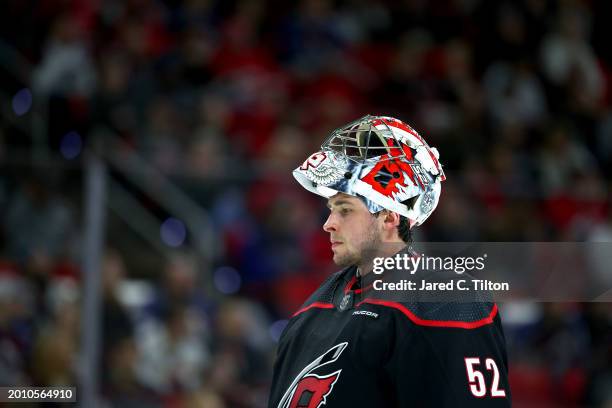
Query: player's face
[[352, 229]]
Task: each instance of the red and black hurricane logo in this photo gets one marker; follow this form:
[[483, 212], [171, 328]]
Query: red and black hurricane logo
[[310, 390], [393, 170]]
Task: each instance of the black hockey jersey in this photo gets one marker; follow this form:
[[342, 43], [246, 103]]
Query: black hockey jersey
[[347, 348]]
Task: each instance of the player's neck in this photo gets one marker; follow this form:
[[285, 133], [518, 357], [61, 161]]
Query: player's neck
[[387, 249]]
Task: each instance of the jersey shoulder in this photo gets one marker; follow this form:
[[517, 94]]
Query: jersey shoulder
[[323, 296], [466, 315]]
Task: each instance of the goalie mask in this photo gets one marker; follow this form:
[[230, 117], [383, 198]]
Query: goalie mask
[[382, 160]]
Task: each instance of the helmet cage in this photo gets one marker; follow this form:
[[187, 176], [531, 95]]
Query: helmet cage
[[360, 140]]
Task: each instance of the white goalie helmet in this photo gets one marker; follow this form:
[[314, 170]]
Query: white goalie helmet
[[381, 159]]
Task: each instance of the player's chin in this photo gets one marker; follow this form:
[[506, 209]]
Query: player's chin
[[343, 259]]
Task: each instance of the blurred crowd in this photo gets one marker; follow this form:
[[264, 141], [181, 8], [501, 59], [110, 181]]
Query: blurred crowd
[[226, 98]]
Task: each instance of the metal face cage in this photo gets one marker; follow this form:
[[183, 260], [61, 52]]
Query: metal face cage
[[361, 140]]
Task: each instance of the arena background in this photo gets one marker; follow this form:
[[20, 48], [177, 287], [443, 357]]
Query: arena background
[[153, 241]]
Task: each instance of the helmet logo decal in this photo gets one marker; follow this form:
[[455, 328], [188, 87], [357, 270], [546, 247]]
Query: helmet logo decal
[[418, 171], [387, 175], [427, 202], [381, 177], [384, 176], [325, 168], [313, 161]]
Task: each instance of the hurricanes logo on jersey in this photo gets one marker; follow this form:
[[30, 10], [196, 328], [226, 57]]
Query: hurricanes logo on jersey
[[310, 390]]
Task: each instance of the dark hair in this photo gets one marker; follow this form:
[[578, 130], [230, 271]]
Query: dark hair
[[404, 231]]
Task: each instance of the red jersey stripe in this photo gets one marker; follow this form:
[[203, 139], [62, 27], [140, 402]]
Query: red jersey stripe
[[318, 305], [434, 323]]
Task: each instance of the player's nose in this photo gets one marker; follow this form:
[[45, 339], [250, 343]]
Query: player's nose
[[331, 224]]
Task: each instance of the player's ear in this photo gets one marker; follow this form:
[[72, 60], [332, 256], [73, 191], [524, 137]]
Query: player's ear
[[391, 219]]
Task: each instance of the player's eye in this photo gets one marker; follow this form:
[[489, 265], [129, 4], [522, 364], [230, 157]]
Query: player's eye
[[345, 211]]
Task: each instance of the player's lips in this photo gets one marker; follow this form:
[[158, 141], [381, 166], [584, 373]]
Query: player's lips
[[335, 243]]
